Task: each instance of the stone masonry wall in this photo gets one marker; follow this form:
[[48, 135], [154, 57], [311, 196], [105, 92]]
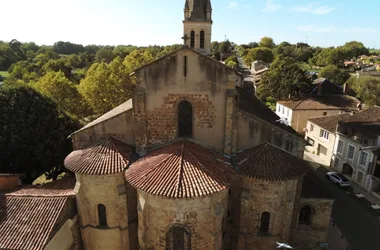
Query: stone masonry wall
[[257, 197], [203, 216]]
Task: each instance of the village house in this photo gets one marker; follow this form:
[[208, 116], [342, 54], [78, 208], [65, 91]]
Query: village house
[[193, 161]]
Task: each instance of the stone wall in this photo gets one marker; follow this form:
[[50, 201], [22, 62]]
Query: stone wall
[[109, 190], [202, 216], [120, 126], [257, 197], [253, 131], [161, 86], [197, 27], [317, 231]]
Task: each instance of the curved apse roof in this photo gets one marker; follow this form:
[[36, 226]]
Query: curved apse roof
[[182, 170]]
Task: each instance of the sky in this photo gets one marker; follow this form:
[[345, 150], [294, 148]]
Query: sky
[[159, 22]]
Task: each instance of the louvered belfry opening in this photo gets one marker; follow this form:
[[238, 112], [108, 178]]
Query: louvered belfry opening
[[178, 238], [185, 119], [202, 40]]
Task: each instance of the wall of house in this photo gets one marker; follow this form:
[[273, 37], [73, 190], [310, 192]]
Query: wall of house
[[203, 217], [109, 190], [162, 86], [253, 132], [120, 126], [197, 27], [341, 158], [64, 238], [317, 231], [277, 198], [284, 112], [327, 143], [300, 117]]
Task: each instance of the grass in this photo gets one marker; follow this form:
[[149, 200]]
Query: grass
[[42, 179], [4, 73], [307, 67]]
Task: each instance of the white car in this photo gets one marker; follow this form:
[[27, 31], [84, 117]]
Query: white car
[[339, 179]]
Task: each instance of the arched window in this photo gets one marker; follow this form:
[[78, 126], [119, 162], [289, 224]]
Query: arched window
[[264, 222], [202, 40], [185, 119], [102, 214], [304, 217], [178, 238], [192, 39]]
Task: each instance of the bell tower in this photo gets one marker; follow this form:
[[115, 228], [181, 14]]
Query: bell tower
[[197, 25]]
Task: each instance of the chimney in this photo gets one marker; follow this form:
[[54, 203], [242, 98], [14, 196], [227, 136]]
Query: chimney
[[9, 181]]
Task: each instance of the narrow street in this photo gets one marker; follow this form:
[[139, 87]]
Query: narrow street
[[359, 225]]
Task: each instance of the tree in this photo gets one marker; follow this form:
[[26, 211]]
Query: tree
[[260, 53], [67, 48], [267, 42], [33, 133], [107, 85], [232, 62], [334, 74], [104, 55], [57, 87], [284, 78], [137, 59], [355, 49], [7, 56], [366, 88]]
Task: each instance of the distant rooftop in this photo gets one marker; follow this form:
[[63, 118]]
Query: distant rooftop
[[323, 102]]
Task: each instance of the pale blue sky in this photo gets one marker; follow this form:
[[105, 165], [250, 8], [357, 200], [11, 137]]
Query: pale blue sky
[[148, 22]]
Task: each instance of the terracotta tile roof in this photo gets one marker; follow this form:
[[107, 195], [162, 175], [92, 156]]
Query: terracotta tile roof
[[124, 107], [253, 105], [324, 102], [62, 187], [27, 222], [181, 170], [366, 122], [270, 163], [330, 122], [108, 156], [313, 188]]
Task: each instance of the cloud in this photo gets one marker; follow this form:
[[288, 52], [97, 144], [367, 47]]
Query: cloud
[[314, 8], [232, 5], [331, 29], [270, 6]]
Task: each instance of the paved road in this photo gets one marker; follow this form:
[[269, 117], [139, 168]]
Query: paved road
[[359, 224]]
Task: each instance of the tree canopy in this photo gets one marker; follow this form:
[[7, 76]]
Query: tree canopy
[[334, 74], [259, 53], [33, 133], [284, 78], [267, 42], [367, 89]]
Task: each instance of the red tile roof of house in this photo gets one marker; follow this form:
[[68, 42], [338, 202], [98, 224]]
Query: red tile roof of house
[[108, 156], [329, 122], [323, 102], [270, 163], [28, 222], [181, 170]]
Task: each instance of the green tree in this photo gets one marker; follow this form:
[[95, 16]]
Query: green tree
[[334, 74], [104, 55], [137, 59], [267, 42], [260, 53], [7, 56], [355, 49], [232, 62], [106, 85], [284, 78], [366, 88], [33, 134], [57, 87]]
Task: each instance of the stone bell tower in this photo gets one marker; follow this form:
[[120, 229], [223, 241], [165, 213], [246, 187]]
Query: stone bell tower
[[197, 25]]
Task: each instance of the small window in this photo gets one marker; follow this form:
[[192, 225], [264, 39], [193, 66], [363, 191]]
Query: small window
[[324, 113], [324, 134], [264, 222], [304, 217], [340, 147], [311, 127], [363, 158], [351, 151], [192, 39], [202, 40], [102, 214]]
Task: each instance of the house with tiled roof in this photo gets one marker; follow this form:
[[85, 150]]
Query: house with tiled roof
[[298, 110], [193, 161]]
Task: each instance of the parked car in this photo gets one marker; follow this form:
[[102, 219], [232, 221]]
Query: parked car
[[339, 179]]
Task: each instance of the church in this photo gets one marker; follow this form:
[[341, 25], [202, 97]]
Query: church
[[193, 161]]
